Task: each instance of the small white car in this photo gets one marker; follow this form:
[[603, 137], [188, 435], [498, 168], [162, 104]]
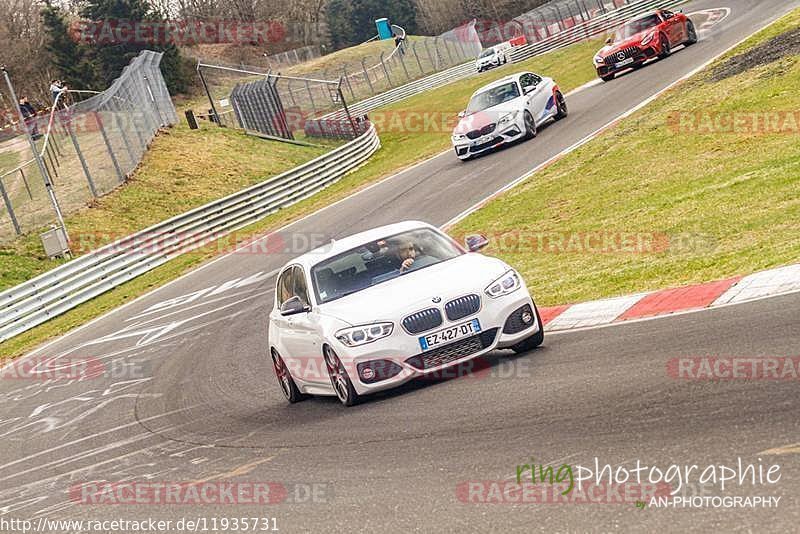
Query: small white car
[[507, 110], [493, 56], [379, 308]]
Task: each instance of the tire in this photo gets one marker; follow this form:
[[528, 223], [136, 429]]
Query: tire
[[561, 106], [666, 50], [288, 386], [340, 381], [531, 342], [530, 125], [607, 78], [691, 37]]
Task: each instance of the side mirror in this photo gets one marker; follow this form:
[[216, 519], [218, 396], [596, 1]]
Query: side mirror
[[528, 89], [294, 306], [475, 242], [610, 40], [462, 114]]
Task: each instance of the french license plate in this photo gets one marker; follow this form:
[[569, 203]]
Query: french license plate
[[450, 334], [623, 63]]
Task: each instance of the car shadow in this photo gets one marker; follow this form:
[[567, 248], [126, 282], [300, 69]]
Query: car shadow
[[647, 63], [520, 141], [480, 368]]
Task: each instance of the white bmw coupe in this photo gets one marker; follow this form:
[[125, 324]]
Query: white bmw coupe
[[376, 309], [505, 111]]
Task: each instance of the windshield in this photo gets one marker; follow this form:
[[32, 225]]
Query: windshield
[[488, 52], [493, 97], [380, 261], [636, 26]]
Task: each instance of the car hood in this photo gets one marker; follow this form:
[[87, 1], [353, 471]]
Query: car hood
[[619, 45], [479, 119], [414, 291]]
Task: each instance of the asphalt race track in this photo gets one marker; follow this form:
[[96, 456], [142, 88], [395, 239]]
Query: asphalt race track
[[189, 393]]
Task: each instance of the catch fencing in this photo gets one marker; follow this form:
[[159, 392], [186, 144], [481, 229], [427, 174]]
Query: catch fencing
[[65, 287], [88, 148], [316, 101]]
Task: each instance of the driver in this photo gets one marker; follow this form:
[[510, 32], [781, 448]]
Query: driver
[[405, 252]]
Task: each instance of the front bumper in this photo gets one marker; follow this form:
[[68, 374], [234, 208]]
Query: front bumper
[[487, 65], [467, 148], [402, 350], [638, 54]]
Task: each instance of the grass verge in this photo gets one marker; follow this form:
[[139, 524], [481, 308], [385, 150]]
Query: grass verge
[[225, 155], [705, 178]]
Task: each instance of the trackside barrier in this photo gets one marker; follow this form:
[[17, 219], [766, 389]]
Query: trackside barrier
[[65, 287]]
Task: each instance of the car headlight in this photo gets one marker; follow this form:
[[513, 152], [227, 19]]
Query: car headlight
[[649, 37], [459, 137], [508, 117], [367, 333], [598, 59], [504, 285]]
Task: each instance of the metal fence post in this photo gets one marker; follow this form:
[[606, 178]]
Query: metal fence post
[[347, 111], [366, 75], [25, 181], [386, 71], [208, 94], [347, 80], [311, 97], [10, 209], [99, 120], [430, 57], [449, 55], [153, 100], [48, 152], [125, 140], [402, 61], [291, 93], [414, 49], [133, 114], [86, 173]]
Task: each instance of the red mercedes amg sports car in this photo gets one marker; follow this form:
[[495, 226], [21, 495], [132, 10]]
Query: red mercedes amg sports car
[[643, 38]]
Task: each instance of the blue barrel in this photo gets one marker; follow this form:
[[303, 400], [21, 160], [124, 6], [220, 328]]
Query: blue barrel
[[384, 28]]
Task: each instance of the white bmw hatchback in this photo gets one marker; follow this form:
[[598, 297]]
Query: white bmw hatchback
[[376, 309]]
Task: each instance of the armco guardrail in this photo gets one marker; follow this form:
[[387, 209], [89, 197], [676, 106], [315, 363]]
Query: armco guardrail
[[61, 289], [589, 28]]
